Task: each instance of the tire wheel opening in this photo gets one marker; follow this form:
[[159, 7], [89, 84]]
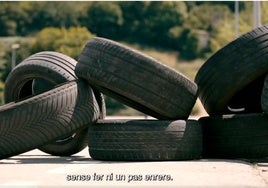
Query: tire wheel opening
[[37, 86], [248, 99]]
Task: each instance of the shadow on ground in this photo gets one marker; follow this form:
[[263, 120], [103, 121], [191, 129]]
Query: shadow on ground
[[49, 159]]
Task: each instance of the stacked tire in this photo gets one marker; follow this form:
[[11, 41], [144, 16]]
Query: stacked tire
[[56, 104], [233, 89], [47, 107], [146, 85]]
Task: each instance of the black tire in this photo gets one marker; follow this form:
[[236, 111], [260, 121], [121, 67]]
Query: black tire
[[264, 96], [36, 121], [231, 81], [145, 140], [136, 79], [42, 72], [235, 136]]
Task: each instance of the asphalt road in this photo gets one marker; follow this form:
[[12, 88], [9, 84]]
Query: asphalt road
[[37, 169]]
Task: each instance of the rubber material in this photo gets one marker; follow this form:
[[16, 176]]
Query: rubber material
[[39, 73], [136, 80], [264, 96], [233, 77], [30, 123], [235, 136], [145, 140]]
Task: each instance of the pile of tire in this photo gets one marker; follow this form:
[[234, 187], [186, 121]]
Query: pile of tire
[[147, 85], [56, 104], [47, 107], [233, 88]]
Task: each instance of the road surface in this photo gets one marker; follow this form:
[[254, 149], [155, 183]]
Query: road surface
[[37, 169]]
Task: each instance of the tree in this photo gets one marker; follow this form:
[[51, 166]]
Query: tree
[[159, 18], [206, 16], [133, 15], [223, 31], [68, 41], [8, 13], [229, 4], [264, 16], [189, 48], [6, 55], [104, 19], [2, 59], [113, 106], [56, 14], [24, 18]]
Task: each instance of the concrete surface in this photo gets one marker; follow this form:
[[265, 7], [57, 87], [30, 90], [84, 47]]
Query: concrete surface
[[37, 169]]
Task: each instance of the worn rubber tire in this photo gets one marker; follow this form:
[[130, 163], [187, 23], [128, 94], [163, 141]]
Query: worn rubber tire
[[264, 96], [231, 81], [136, 80], [235, 136], [39, 73], [36, 121], [145, 140]]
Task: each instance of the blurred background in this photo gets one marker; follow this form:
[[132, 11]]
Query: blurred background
[[180, 34]]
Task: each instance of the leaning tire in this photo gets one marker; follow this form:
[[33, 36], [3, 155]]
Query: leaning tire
[[235, 136], [145, 140], [42, 72], [30, 123], [231, 81], [136, 80]]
